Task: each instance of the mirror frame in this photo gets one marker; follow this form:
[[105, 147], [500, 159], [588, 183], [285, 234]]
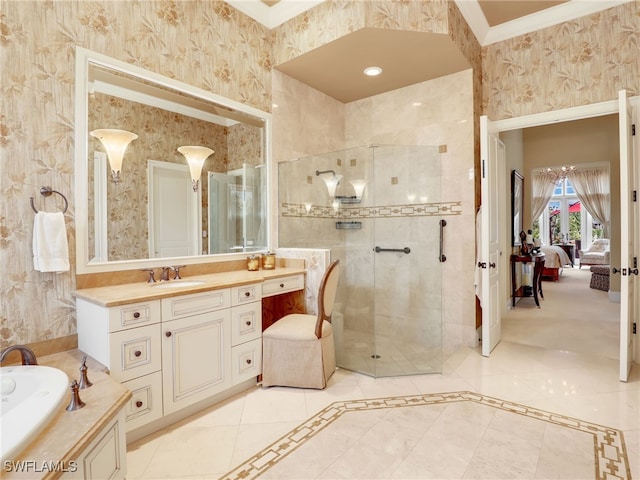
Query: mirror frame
[[85, 58], [517, 206]]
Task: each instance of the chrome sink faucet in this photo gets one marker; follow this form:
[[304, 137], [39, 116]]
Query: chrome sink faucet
[[28, 357]]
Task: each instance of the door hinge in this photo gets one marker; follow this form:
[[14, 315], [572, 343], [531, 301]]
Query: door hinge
[[634, 328], [482, 168], [635, 195], [635, 262], [633, 129]]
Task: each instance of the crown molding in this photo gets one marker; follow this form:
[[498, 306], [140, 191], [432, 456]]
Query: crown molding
[[273, 16], [555, 15]]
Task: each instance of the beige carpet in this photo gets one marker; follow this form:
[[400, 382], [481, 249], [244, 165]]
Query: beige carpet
[[402, 438], [572, 317]]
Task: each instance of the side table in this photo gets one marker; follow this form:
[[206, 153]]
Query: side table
[[538, 265]]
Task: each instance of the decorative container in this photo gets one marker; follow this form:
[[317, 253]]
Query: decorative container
[[253, 263], [268, 261]]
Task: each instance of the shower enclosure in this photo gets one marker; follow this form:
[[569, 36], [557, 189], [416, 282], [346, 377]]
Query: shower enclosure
[[388, 314]]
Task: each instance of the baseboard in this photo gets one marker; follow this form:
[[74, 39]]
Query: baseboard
[[614, 297]]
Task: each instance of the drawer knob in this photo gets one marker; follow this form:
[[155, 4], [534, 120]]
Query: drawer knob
[[167, 334], [282, 285], [136, 314], [247, 294], [248, 323], [248, 361], [137, 353], [139, 403]]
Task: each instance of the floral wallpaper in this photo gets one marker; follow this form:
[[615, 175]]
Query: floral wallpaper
[[208, 44], [580, 62]]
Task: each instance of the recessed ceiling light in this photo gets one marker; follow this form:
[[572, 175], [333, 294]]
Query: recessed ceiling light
[[372, 71]]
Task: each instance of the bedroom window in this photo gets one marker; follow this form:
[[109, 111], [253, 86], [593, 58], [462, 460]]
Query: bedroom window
[[564, 220]]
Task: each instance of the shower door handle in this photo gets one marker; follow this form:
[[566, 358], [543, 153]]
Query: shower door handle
[[442, 257], [406, 250]]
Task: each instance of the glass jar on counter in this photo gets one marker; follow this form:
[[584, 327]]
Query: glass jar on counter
[[268, 261], [253, 263]]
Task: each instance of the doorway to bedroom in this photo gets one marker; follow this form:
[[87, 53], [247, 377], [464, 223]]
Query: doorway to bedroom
[[573, 317]]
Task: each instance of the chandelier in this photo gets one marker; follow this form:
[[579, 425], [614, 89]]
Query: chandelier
[[557, 175]]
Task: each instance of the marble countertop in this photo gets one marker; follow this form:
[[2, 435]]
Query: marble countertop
[[114, 295], [69, 433]]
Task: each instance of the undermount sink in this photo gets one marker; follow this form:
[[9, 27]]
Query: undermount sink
[[30, 396], [178, 284]]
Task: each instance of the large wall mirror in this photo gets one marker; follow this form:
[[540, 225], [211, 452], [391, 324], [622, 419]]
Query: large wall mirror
[[154, 213]]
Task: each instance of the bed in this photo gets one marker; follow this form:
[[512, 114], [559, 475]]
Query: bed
[[554, 259]]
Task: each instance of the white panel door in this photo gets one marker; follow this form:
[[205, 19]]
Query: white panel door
[[492, 157], [628, 256], [174, 211]]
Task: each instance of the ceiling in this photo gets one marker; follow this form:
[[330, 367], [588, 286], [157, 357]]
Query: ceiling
[[336, 68]]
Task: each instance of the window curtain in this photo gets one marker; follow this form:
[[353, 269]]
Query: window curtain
[[592, 189], [542, 190]]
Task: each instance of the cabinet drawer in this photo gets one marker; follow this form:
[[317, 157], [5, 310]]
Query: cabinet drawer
[[276, 286], [246, 323], [246, 294], [135, 352], [246, 361], [134, 315], [196, 303], [146, 400]]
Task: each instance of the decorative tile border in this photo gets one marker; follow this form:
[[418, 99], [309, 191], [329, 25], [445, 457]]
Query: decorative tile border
[[609, 449], [385, 211]]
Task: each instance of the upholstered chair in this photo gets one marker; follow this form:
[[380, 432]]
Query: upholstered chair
[[298, 350], [597, 253]]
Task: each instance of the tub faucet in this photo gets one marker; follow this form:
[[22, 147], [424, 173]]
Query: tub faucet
[[28, 357]]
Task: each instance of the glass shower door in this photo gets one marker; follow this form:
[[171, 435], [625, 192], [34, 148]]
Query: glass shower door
[[407, 270]]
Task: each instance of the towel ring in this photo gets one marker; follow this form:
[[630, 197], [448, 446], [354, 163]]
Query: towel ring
[[45, 192]]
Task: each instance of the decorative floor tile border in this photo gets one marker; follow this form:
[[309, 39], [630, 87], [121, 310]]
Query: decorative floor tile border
[[385, 211], [609, 449]]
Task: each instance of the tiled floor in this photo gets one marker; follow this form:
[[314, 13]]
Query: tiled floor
[[571, 384]]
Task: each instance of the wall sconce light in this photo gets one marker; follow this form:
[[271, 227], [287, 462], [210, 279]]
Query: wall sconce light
[[195, 157], [115, 142], [358, 186], [331, 182]]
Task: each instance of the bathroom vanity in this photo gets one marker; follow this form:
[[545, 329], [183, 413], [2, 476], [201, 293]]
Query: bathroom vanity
[[180, 345]]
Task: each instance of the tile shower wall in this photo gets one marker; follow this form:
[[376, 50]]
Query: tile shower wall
[[438, 112]]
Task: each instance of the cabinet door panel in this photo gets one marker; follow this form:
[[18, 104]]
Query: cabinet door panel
[[195, 358]]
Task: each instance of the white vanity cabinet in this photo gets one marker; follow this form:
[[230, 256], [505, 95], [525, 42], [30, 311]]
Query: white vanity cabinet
[[126, 339], [196, 347], [176, 351], [246, 332]]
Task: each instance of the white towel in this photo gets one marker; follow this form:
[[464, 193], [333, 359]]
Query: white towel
[[50, 247]]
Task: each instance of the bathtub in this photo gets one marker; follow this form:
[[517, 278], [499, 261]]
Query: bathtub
[[31, 395]]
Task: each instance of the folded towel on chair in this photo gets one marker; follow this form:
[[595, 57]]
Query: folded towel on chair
[[50, 246]]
